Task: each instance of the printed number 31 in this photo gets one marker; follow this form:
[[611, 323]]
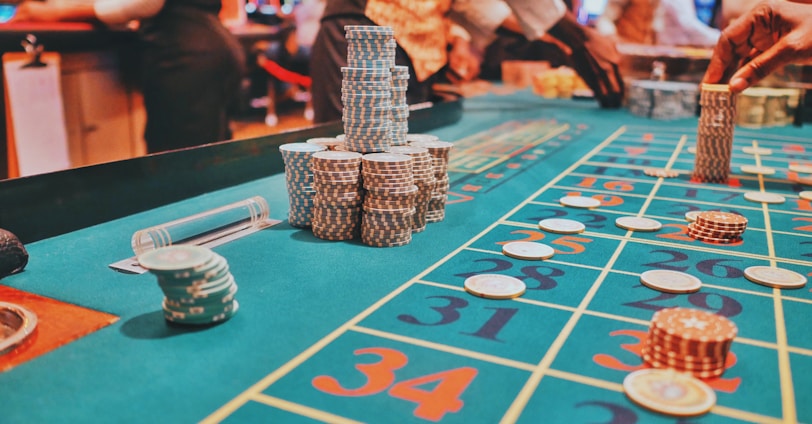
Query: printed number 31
[[431, 404]]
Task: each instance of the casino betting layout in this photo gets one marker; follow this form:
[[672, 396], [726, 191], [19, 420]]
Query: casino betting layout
[[530, 260]]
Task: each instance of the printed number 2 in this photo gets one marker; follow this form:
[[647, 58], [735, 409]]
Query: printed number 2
[[431, 404]]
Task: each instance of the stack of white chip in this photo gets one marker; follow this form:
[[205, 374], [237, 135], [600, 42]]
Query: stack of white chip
[[299, 180]]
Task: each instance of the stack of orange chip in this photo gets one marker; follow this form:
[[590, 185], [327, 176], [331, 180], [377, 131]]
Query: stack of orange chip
[[718, 227], [689, 340]]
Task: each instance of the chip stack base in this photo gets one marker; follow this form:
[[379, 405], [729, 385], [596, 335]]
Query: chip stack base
[[388, 208], [299, 180], [689, 340], [714, 138], [423, 173], [440, 151], [338, 198]]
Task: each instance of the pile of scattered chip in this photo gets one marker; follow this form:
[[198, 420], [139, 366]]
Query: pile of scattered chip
[[718, 227], [663, 100], [423, 176], [366, 88], [440, 152], [338, 198], [689, 340], [197, 284], [714, 137], [299, 180], [388, 208]]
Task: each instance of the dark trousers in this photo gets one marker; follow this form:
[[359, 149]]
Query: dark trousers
[[330, 54]]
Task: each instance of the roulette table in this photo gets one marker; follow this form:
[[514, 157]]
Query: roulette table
[[338, 331]]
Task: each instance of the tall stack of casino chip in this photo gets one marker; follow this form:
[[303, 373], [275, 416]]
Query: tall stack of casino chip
[[423, 175], [689, 340], [440, 152], [338, 197], [714, 138], [389, 202], [366, 88], [197, 284], [299, 180], [400, 108]]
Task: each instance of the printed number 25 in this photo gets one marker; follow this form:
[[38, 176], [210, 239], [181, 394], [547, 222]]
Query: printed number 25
[[431, 405]]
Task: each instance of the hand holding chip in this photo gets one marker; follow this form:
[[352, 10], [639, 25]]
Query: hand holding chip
[[772, 34]]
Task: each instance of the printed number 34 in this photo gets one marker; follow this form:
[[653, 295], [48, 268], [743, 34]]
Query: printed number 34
[[431, 404]]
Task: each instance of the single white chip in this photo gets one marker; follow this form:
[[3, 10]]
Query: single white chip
[[692, 149], [528, 250], [661, 172], [779, 278], [801, 168], [670, 281], [763, 197], [757, 170], [580, 202], [806, 195], [669, 392], [757, 151], [561, 226], [495, 286], [636, 223], [690, 216]]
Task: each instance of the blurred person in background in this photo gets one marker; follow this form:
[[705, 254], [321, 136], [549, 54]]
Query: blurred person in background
[[191, 64], [423, 37], [661, 22]]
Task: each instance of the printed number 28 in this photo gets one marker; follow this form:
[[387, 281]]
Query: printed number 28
[[431, 404]]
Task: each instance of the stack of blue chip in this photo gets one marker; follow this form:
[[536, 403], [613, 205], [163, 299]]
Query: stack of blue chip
[[299, 179], [366, 90], [197, 283]]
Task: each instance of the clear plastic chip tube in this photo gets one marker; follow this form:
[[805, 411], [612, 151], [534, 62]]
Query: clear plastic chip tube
[[204, 227]]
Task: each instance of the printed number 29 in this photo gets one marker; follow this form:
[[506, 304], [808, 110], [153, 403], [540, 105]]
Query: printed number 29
[[431, 404]]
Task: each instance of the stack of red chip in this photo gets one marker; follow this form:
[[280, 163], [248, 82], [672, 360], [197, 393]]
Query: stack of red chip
[[689, 340], [718, 227]]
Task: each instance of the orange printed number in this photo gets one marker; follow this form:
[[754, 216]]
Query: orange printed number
[[681, 235], [431, 404], [530, 235], [445, 397], [803, 227], [575, 244], [380, 375]]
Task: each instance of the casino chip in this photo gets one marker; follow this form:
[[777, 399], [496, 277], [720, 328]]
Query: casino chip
[[636, 223], [561, 226], [197, 284], [670, 281], [757, 170], [801, 168], [717, 227], [661, 173], [779, 278], [805, 195], [757, 151], [764, 197], [580, 202], [669, 392], [689, 340], [495, 286], [528, 250], [690, 216]]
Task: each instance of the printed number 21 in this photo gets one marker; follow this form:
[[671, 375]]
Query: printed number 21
[[431, 405]]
